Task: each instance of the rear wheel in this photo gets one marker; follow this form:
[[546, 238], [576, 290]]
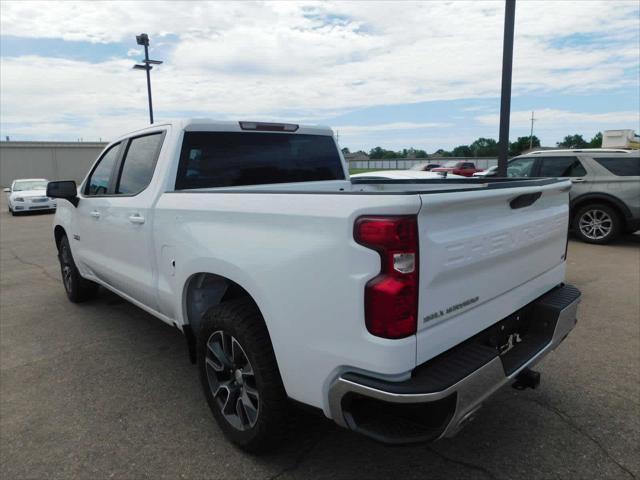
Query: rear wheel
[[78, 289], [597, 223], [240, 376]]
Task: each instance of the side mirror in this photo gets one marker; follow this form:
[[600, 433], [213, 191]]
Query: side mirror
[[6, 190], [66, 189]]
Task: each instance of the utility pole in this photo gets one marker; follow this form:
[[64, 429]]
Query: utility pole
[[143, 39], [531, 134], [505, 99]]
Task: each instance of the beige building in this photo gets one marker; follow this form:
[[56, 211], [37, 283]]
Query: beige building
[[50, 160]]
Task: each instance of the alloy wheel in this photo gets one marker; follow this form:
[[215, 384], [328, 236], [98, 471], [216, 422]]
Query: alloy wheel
[[595, 224], [232, 380]]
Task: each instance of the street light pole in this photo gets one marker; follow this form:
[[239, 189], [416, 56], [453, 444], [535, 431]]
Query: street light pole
[[143, 39], [146, 59], [505, 100]]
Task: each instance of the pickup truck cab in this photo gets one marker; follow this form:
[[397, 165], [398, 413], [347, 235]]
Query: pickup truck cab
[[465, 169], [396, 307]]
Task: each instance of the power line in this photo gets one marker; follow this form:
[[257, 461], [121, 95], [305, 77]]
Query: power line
[[531, 134]]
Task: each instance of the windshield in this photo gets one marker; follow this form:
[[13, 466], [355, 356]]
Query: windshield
[[30, 185], [450, 164]]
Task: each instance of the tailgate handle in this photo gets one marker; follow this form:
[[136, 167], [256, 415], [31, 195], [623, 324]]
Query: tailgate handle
[[525, 200]]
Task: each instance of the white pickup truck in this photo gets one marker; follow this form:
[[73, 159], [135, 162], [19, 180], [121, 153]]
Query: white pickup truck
[[394, 306]]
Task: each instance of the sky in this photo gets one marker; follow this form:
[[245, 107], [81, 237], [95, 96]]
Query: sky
[[390, 74]]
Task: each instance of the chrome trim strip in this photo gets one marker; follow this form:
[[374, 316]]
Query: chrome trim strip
[[471, 390]]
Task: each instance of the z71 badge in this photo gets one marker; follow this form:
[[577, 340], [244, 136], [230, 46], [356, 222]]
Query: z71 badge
[[451, 309]]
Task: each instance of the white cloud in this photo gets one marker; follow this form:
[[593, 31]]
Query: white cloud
[[295, 60], [549, 118], [386, 127]]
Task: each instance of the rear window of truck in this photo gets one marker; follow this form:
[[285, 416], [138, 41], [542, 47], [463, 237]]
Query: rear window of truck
[[230, 159]]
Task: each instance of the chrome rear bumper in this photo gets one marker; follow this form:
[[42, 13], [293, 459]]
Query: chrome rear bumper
[[467, 394]]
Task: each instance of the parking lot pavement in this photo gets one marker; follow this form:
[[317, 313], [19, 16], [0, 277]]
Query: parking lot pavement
[[103, 390]]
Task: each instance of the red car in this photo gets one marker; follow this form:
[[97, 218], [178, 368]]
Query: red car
[[466, 169]]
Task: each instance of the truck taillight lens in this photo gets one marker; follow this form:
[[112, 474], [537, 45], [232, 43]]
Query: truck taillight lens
[[391, 298]]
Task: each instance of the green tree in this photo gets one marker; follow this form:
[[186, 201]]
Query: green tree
[[462, 151], [441, 153], [380, 153], [522, 144], [484, 147], [376, 153], [345, 151], [596, 141], [573, 141], [413, 153]]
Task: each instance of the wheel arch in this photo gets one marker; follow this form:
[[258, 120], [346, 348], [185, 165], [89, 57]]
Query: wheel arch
[[202, 291], [605, 198], [58, 233]]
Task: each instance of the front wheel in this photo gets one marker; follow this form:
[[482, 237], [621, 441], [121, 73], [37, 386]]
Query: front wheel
[[77, 288], [240, 376], [597, 223]]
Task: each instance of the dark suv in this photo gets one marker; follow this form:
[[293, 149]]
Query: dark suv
[[605, 197]]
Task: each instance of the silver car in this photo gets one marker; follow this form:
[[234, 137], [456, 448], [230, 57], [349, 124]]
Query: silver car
[[605, 198]]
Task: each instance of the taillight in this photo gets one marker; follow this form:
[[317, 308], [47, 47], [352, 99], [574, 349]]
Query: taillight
[[391, 298]]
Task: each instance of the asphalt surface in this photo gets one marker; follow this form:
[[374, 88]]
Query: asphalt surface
[[104, 390]]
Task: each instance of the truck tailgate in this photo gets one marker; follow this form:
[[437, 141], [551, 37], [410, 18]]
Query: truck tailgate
[[478, 246]]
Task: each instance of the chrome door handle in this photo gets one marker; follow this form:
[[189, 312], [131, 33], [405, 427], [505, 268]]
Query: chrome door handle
[[95, 214], [577, 180], [137, 219]]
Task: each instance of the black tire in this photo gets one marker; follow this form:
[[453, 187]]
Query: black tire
[[597, 223], [260, 420], [78, 289]]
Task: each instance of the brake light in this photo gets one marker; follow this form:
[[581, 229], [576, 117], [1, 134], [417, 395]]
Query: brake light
[[391, 298], [269, 127]]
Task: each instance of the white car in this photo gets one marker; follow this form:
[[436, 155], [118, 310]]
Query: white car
[[28, 195], [396, 307], [489, 172], [405, 175]]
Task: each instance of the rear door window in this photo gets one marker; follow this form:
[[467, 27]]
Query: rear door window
[[100, 178], [620, 166], [139, 163], [228, 159], [561, 167]]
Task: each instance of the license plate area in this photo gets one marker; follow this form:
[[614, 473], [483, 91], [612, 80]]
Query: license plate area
[[509, 332]]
